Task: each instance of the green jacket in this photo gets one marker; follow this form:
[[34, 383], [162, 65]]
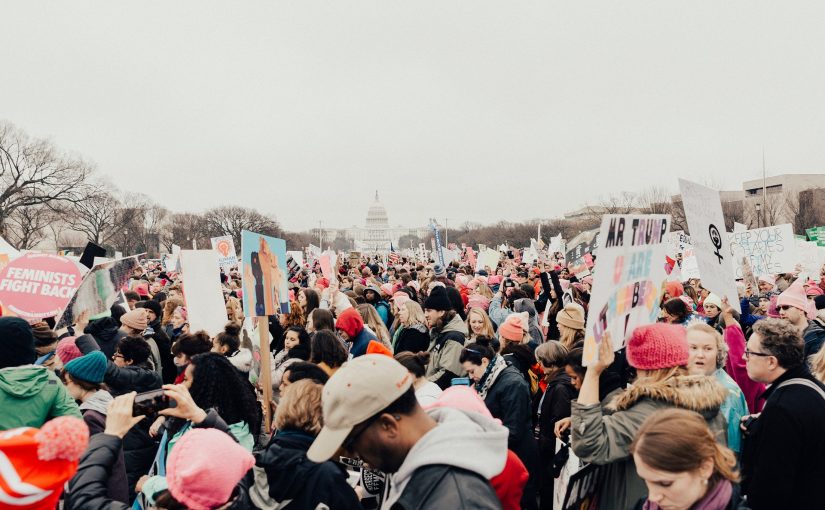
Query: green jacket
[[31, 395]]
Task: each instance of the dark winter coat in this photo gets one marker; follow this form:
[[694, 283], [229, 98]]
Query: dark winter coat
[[554, 405], [784, 450], [167, 361], [814, 336], [508, 399], [445, 351], [116, 483], [107, 334], [122, 380], [283, 475], [413, 338], [440, 486], [544, 297]]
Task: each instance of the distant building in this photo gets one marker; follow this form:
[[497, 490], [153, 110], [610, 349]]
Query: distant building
[[376, 234], [777, 199]]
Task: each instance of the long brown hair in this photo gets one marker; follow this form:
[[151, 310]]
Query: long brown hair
[[677, 440]]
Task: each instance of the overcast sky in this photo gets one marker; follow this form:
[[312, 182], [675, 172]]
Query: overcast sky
[[473, 110]]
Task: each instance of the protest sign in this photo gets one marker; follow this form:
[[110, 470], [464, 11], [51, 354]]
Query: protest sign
[[703, 210], [487, 259], [36, 285], [739, 227], [327, 261], [811, 257], [298, 257], [264, 275], [90, 252], [471, 256], [627, 289], [204, 296], [769, 250], [225, 247], [169, 261], [676, 243], [555, 245], [99, 290], [690, 266], [583, 489], [585, 242]]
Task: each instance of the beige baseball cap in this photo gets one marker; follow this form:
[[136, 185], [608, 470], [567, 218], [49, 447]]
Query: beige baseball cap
[[360, 389]]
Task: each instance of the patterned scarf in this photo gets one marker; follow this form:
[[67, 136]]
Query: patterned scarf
[[497, 364]]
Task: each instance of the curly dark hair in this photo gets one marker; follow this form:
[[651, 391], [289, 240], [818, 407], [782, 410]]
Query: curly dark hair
[[217, 384], [230, 337], [192, 344], [134, 349]]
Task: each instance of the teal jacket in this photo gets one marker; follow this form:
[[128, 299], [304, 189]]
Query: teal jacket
[[735, 407], [31, 395]]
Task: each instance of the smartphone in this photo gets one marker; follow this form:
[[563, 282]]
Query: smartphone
[[460, 381], [150, 403]]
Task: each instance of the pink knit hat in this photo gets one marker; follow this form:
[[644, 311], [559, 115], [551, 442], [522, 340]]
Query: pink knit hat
[[386, 289], [67, 350], [204, 468], [461, 397], [813, 289], [794, 296], [514, 326], [658, 346], [478, 301], [495, 279]]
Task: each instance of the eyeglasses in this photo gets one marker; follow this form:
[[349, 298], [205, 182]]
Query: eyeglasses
[[748, 354], [784, 307], [353, 437]]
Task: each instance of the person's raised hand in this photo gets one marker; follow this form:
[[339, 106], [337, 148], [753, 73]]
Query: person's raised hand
[[606, 354], [186, 407], [119, 419]]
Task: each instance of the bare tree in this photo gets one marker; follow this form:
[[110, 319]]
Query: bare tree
[[34, 173], [654, 200], [231, 220], [27, 226], [182, 228], [98, 215], [623, 202]]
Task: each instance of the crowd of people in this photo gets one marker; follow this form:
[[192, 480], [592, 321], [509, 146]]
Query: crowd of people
[[412, 385]]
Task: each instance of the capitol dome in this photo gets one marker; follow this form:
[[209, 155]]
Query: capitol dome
[[377, 215], [377, 227]]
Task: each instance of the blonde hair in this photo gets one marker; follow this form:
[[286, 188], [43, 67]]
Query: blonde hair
[[677, 441], [374, 322], [487, 330], [416, 313], [484, 290], [300, 407], [236, 314], [818, 365], [721, 345], [570, 338]]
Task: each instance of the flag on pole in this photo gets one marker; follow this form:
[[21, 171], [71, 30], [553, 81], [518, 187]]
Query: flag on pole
[[393, 257]]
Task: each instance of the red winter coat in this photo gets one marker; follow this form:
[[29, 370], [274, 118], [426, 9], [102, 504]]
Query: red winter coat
[[509, 484]]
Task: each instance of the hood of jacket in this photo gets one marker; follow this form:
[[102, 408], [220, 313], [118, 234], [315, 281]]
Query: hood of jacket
[[462, 439], [23, 381], [700, 393], [455, 324], [104, 329], [417, 327], [241, 359], [99, 401]]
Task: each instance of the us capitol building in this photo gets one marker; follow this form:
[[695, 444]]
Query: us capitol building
[[376, 234]]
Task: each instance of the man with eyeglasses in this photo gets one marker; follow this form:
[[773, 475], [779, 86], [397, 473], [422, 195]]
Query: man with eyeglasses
[[785, 445], [793, 306], [442, 458]]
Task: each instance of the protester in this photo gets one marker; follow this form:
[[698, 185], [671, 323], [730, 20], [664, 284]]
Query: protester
[[515, 329], [373, 297], [507, 395], [188, 345], [782, 458], [677, 311], [328, 352], [570, 322], [293, 337], [552, 407], [29, 394], [447, 336], [228, 343], [303, 370], [411, 334], [682, 465], [793, 306], [309, 301], [320, 319], [195, 480], [375, 324], [479, 324], [213, 383], [426, 391], [45, 345], [708, 354], [370, 409], [351, 329], [161, 339], [660, 354], [283, 477]]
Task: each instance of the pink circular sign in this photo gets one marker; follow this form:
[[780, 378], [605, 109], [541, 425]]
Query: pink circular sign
[[37, 285]]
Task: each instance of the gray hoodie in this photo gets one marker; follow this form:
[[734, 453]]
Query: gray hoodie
[[99, 402], [462, 439]]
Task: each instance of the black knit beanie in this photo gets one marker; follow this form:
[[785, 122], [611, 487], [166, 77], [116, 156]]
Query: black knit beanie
[[16, 343]]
